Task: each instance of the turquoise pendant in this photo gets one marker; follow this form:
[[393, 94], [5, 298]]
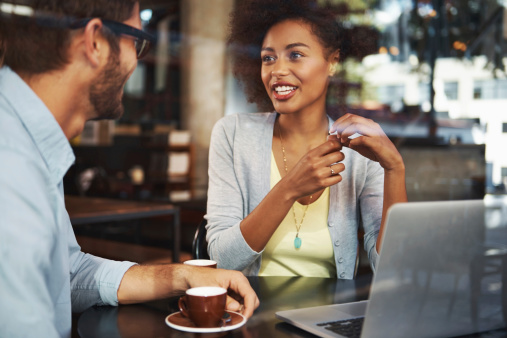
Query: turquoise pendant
[[297, 242]]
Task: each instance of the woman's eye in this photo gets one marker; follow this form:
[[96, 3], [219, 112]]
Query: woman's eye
[[267, 58], [295, 55]]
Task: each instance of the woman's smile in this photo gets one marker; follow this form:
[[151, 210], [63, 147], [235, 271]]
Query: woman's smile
[[283, 90]]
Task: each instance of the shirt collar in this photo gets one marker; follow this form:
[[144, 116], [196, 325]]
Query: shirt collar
[[39, 122]]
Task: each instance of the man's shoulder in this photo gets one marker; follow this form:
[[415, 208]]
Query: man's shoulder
[[13, 135]]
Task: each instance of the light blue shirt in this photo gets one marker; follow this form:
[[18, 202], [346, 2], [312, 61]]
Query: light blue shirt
[[43, 273]]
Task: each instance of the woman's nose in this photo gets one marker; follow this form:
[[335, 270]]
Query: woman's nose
[[280, 68]]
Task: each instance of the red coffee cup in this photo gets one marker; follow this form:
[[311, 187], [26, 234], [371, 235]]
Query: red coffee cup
[[204, 306]]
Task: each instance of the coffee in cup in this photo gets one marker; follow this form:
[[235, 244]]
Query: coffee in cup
[[204, 306], [202, 262]]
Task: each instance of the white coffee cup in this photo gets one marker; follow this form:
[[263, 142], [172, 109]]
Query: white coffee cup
[[202, 262]]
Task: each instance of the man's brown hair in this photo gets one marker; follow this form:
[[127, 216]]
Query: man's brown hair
[[34, 46]]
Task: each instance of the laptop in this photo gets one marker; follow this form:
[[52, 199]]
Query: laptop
[[439, 274]]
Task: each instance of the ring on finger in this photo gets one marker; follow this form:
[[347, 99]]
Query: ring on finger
[[332, 171]]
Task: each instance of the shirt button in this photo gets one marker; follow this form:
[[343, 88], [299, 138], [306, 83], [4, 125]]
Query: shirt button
[[331, 224], [337, 242], [342, 275], [340, 260]]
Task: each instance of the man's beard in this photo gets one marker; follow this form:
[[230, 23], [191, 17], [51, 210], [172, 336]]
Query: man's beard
[[106, 93]]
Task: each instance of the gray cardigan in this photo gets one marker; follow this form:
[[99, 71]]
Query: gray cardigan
[[239, 178]]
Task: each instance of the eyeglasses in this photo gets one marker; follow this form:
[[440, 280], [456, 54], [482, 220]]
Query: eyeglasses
[[142, 40]]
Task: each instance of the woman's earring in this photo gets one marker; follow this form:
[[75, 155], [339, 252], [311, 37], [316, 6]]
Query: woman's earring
[[332, 69]]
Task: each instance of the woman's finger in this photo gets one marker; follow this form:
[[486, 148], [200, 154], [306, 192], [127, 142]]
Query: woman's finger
[[336, 169], [330, 146], [332, 158], [344, 122], [340, 123], [361, 129], [348, 125]]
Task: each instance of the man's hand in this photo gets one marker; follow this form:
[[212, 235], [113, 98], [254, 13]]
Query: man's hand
[[241, 296], [142, 283]]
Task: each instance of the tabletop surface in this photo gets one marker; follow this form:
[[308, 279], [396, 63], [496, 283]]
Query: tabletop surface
[[92, 210], [88, 207], [275, 294]]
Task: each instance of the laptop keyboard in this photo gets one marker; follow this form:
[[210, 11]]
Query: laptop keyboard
[[348, 328]]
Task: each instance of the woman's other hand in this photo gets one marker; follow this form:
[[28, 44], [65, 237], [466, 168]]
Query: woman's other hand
[[372, 142]]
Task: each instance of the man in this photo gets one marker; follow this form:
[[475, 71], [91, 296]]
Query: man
[[66, 62]]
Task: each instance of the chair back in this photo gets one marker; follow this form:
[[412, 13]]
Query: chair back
[[356, 267], [199, 244]]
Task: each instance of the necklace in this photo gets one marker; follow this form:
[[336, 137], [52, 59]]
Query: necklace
[[297, 240]]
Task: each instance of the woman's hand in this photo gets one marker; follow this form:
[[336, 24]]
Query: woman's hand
[[317, 169], [372, 142]]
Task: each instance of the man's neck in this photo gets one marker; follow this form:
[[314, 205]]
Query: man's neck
[[64, 98]]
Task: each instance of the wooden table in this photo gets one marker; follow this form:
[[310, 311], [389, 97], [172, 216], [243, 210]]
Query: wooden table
[[87, 210], [275, 294]]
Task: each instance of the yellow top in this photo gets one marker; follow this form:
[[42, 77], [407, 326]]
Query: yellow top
[[315, 257]]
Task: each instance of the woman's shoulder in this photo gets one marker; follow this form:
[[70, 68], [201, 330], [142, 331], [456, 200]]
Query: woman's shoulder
[[246, 121], [245, 135], [248, 118]]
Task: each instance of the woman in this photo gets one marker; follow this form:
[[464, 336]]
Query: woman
[[284, 197]]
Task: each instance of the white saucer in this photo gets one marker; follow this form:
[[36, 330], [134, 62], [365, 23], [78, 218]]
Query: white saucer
[[178, 322]]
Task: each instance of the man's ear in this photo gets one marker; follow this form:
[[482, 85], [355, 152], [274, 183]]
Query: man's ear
[[94, 42]]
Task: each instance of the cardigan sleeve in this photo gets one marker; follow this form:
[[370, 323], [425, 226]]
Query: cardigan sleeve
[[371, 203], [226, 203]]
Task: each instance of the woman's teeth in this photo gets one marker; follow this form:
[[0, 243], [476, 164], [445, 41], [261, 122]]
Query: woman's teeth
[[284, 90]]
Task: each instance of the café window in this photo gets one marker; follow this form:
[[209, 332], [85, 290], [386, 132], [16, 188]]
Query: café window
[[424, 92], [451, 90], [492, 89], [391, 94], [477, 92]]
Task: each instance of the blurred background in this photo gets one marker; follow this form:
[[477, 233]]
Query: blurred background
[[430, 72]]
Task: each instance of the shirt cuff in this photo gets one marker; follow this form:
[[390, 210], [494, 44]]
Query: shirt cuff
[[109, 277], [374, 258]]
